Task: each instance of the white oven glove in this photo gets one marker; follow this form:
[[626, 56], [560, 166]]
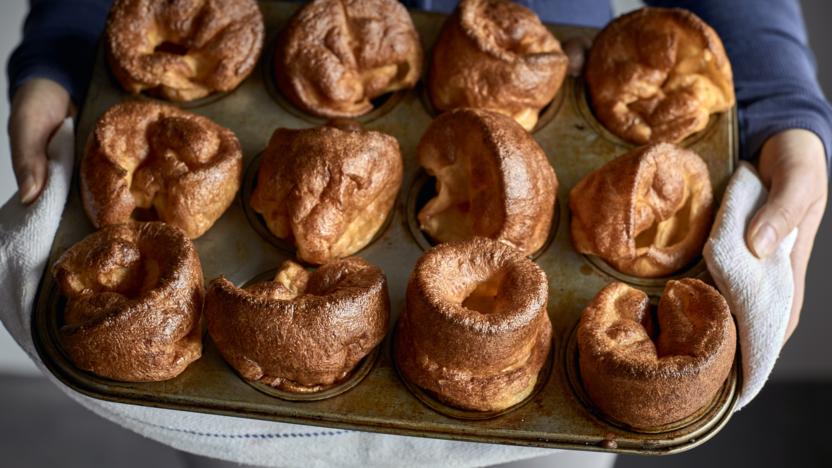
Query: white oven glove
[[759, 292], [26, 235]]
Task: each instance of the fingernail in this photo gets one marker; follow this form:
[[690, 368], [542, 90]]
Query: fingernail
[[764, 240], [28, 190]]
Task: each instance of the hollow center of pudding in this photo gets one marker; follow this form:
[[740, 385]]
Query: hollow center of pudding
[[467, 201], [668, 232], [650, 321], [169, 47], [483, 298], [121, 268]]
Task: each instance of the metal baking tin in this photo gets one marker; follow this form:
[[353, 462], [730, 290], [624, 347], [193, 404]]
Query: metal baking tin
[[557, 416]]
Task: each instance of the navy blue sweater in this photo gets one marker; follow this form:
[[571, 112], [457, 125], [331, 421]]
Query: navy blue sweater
[[766, 41]]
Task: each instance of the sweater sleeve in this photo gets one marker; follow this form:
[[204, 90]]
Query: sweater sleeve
[[60, 38], [774, 68]]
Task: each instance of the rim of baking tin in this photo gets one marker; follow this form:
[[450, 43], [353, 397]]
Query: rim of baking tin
[[348, 382], [382, 105], [544, 117], [420, 189], [695, 269], [697, 424], [256, 221], [187, 105], [437, 405], [355, 377], [583, 102]]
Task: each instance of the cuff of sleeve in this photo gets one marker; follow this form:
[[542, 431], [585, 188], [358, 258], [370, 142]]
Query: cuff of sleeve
[[65, 60], [44, 71], [756, 130]]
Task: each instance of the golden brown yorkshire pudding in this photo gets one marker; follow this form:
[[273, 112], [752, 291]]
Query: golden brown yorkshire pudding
[[142, 156], [183, 49], [134, 298], [328, 189], [335, 56], [301, 332], [496, 55], [657, 74], [647, 212], [649, 367], [493, 180], [475, 332]]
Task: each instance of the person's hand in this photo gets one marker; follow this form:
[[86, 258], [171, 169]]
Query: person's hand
[[575, 49], [38, 108], [793, 166]]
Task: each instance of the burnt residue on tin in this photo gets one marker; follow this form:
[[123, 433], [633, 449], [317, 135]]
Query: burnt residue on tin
[[380, 401]]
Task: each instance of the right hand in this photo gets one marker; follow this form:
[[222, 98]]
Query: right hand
[[39, 107]]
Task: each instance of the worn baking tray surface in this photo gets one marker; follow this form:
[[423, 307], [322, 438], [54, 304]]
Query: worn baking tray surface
[[557, 416]]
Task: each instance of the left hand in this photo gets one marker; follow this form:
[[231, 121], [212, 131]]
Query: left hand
[[793, 167]]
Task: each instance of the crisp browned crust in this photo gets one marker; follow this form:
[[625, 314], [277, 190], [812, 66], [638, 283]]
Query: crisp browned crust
[[182, 166], [648, 371], [493, 180], [647, 212], [134, 297], [328, 189], [657, 74], [497, 55], [475, 331], [301, 332], [337, 55], [183, 50]]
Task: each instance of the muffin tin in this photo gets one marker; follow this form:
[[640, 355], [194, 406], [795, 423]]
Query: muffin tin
[[557, 415]]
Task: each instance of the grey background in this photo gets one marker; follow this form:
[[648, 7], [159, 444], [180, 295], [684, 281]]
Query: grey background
[[807, 354]]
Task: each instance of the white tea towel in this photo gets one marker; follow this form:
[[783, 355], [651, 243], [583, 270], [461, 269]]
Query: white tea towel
[[759, 291], [26, 235]]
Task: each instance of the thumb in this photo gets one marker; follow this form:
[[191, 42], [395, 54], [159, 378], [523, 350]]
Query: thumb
[[790, 196]]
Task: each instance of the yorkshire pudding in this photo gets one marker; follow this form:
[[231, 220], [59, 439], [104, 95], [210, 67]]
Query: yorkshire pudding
[[657, 74], [335, 56], [180, 166], [648, 367], [301, 332], [493, 180], [134, 297], [327, 189], [647, 212], [475, 332], [496, 55], [183, 50]]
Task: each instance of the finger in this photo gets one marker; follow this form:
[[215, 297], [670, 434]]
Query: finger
[[29, 137], [38, 108], [575, 49], [807, 230], [791, 194]]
